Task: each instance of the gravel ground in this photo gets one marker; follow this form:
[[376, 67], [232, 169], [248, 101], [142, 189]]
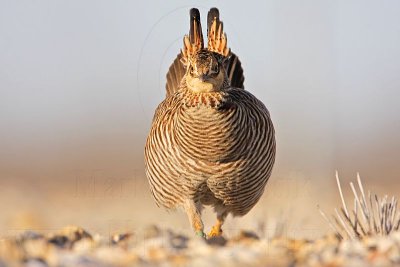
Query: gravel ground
[[74, 246]]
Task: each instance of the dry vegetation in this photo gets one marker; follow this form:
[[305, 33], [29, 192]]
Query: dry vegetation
[[73, 246], [364, 235], [371, 215]]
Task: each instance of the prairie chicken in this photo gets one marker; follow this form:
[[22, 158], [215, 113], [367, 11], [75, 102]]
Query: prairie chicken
[[211, 142]]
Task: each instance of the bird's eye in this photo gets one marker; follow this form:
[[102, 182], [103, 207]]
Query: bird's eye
[[191, 69], [215, 69]]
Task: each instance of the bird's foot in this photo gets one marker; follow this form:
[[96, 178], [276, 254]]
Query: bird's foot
[[216, 231]]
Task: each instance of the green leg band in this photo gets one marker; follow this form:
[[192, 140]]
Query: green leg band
[[201, 234]]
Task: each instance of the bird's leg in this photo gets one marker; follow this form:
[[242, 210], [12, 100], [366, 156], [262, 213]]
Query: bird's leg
[[193, 211], [216, 229]]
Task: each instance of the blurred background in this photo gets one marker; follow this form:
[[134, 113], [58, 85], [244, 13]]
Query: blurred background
[[79, 82]]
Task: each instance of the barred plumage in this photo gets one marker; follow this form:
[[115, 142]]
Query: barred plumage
[[210, 143]]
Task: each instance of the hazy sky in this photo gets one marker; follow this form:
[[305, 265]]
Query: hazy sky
[[79, 81]]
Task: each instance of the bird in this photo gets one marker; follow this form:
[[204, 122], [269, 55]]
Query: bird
[[211, 142]]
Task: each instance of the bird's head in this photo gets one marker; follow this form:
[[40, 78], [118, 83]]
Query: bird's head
[[205, 67], [205, 72]]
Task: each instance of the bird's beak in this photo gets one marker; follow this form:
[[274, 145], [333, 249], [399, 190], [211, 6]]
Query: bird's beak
[[203, 77]]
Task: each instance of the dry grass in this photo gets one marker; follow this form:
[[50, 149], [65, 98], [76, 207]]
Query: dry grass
[[370, 215]]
